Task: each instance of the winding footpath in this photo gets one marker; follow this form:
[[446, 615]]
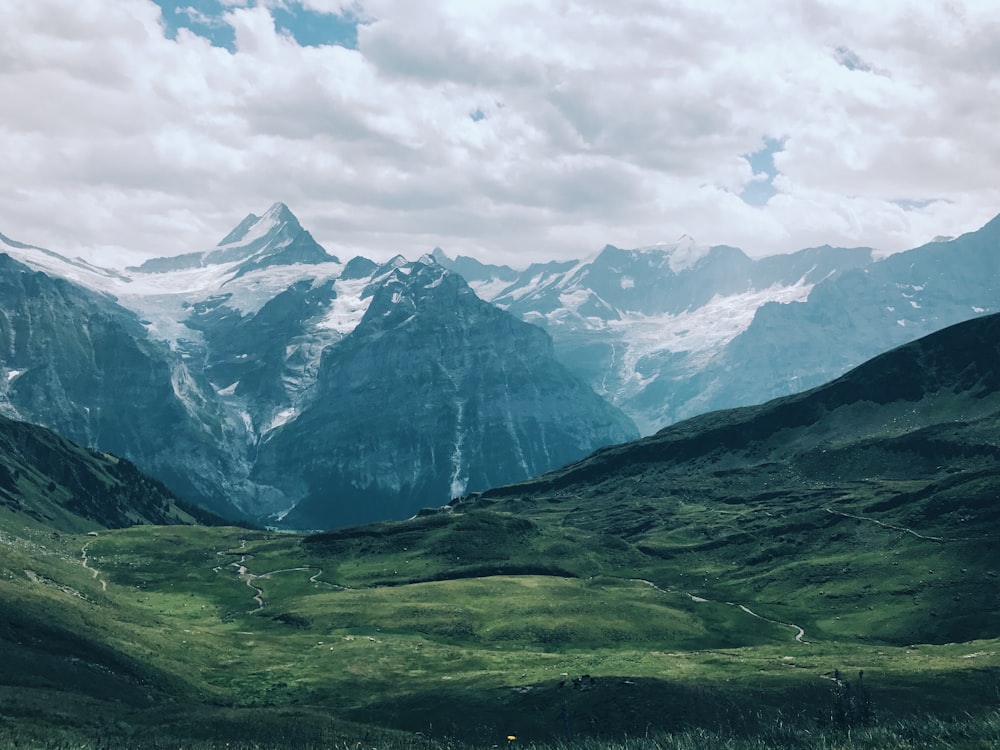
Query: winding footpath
[[251, 578], [899, 528], [86, 564], [799, 635]]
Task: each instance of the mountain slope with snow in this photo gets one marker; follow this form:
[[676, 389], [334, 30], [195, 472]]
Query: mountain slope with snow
[[633, 322], [251, 338], [435, 393]]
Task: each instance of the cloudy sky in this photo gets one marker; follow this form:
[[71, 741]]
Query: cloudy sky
[[504, 130]]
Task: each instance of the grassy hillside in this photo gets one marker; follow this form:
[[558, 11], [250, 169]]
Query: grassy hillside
[[718, 584], [68, 487]]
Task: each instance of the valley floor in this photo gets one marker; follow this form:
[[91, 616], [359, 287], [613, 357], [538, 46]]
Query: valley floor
[[195, 637]]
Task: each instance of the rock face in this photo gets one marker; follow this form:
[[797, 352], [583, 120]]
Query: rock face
[[264, 378], [434, 394], [860, 313], [79, 364]]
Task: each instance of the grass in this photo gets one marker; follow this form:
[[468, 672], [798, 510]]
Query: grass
[[362, 634]]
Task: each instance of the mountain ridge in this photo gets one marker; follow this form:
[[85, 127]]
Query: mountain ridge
[[239, 338], [661, 332]]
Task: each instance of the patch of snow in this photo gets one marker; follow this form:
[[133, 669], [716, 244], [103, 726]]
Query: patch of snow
[[282, 417], [901, 323], [574, 300], [627, 282], [488, 290], [686, 254], [229, 390], [347, 310], [566, 278], [700, 332], [978, 309], [530, 288], [914, 304], [13, 374], [264, 225], [682, 254]]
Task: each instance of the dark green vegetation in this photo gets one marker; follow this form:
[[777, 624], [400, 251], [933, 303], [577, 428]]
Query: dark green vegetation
[[704, 587], [67, 487]]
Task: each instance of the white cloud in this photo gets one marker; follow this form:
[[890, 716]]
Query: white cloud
[[624, 125]]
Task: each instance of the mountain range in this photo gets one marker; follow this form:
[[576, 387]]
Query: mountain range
[[264, 378], [675, 330]]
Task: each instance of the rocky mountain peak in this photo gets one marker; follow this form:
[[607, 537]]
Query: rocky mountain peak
[[277, 216], [427, 287], [275, 238]]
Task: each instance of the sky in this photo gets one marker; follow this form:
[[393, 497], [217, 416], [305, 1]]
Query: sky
[[503, 130]]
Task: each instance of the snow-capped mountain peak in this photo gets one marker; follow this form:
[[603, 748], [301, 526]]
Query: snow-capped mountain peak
[[275, 216], [276, 238]]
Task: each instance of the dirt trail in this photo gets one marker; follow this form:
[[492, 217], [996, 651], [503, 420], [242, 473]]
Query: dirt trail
[[248, 578], [244, 574], [312, 579], [799, 636], [900, 528], [86, 564]]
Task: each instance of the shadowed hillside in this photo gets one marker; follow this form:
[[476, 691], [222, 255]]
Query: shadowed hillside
[[71, 488]]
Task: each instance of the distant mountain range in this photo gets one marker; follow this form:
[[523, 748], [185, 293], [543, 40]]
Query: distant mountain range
[[671, 331], [266, 379]]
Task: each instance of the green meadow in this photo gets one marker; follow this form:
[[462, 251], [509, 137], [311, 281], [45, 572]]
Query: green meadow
[[463, 629]]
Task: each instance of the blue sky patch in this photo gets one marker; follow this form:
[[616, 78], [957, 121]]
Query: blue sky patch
[[759, 192], [203, 17], [312, 29], [307, 27]]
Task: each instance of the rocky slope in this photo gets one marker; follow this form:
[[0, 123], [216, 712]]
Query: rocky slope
[[636, 324], [928, 408], [80, 364], [435, 393]]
